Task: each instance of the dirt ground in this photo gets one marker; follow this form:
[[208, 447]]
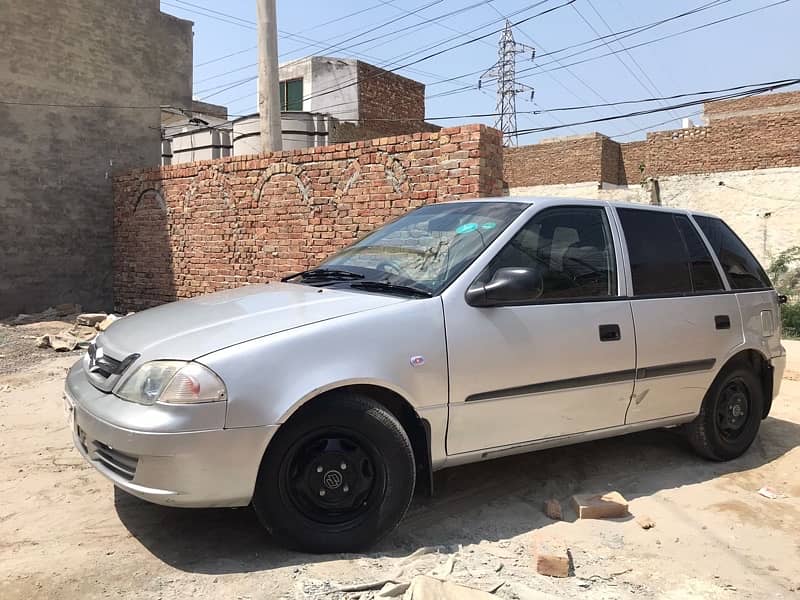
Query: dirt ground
[[66, 533]]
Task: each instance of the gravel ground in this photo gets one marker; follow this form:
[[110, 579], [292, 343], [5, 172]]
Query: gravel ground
[[66, 533], [18, 350]]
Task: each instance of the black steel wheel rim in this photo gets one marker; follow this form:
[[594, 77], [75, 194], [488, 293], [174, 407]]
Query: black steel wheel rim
[[333, 477], [733, 409]]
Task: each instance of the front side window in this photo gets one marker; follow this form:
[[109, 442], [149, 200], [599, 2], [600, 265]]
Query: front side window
[[571, 247], [424, 250], [739, 264], [291, 93], [666, 254]]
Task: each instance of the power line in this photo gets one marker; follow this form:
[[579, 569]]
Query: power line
[[342, 17], [620, 34], [649, 90], [436, 20], [381, 26], [738, 91], [440, 52], [355, 81], [219, 58], [212, 14], [653, 125], [98, 106], [338, 46], [743, 94], [735, 92], [665, 37], [627, 52]]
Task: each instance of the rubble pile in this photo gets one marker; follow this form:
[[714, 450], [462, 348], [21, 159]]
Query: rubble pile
[[84, 329], [80, 335]]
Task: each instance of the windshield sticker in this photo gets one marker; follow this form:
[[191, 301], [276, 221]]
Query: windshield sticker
[[467, 228], [489, 225]]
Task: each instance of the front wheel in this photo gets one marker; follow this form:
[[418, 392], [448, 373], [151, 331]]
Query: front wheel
[[337, 477], [730, 416]]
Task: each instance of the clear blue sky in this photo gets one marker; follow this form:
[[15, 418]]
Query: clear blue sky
[[757, 47]]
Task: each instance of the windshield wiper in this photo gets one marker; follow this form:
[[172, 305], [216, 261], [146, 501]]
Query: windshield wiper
[[391, 288], [323, 273]]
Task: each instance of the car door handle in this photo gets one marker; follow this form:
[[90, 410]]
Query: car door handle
[[722, 322], [609, 333]]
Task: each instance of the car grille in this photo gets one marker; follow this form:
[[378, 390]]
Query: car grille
[[107, 366], [122, 464], [103, 370]]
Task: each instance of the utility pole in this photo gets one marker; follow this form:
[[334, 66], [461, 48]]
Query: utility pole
[[269, 106], [507, 85]]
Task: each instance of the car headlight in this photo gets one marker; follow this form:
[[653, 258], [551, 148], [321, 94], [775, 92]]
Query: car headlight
[[172, 382]]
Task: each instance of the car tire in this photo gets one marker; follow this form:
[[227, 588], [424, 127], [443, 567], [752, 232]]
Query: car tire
[[337, 477], [729, 416]]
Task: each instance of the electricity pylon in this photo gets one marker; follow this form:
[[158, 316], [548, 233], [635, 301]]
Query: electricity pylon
[[504, 70]]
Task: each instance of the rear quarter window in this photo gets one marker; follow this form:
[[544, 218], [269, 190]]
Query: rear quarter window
[[740, 266]]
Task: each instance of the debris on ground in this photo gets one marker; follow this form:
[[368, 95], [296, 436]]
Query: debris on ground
[[645, 522], [768, 492], [552, 508], [610, 505], [105, 323], [78, 336], [551, 557], [90, 319], [424, 587]]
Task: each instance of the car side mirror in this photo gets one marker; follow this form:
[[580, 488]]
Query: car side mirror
[[783, 298], [509, 285]]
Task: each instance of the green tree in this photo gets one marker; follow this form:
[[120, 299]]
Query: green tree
[[785, 274]]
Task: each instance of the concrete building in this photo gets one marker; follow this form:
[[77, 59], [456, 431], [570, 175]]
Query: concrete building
[[355, 92], [82, 86], [324, 100]]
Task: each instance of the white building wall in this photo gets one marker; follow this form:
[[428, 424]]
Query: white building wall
[[329, 85]]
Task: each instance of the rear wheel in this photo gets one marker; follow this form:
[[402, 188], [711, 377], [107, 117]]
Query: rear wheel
[[730, 416], [337, 477]]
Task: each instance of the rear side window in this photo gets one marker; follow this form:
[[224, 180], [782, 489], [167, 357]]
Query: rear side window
[[666, 254], [739, 264]]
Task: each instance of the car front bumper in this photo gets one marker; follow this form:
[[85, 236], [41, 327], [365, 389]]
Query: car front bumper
[[205, 468]]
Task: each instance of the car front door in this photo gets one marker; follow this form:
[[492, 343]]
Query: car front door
[[558, 365]]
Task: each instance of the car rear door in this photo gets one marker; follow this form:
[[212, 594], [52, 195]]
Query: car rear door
[[560, 365], [686, 320]]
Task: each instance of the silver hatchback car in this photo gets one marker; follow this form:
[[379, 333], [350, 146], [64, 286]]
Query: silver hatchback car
[[460, 332]]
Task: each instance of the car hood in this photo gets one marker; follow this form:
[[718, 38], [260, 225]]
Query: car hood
[[188, 329]]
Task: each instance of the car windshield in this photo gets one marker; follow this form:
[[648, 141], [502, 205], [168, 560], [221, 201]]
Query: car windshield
[[420, 253]]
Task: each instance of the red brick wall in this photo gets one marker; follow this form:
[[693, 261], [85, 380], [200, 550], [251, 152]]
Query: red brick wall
[[761, 142], [632, 160], [565, 160], [765, 103], [390, 103], [187, 229]]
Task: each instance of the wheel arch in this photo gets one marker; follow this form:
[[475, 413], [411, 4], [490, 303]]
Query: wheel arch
[[760, 364], [417, 428]]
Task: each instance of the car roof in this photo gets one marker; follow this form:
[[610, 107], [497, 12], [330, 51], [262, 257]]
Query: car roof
[[543, 201]]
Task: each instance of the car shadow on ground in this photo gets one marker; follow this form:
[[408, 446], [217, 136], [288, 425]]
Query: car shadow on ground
[[492, 500]]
